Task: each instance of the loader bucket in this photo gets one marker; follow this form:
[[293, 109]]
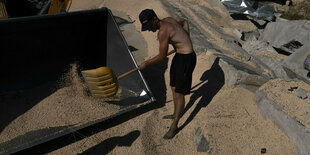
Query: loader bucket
[[37, 52]]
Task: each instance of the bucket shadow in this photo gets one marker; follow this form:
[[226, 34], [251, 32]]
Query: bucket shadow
[[207, 91], [31, 138], [15, 103], [109, 144], [155, 78]]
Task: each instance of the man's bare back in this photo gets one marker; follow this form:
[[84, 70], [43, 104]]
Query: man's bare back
[[174, 31], [178, 36]]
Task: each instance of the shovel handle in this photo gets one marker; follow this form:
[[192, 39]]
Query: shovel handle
[[136, 69], [127, 73], [170, 52]]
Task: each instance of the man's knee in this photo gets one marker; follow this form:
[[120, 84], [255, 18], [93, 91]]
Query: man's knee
[[180, 95], [173, 89]]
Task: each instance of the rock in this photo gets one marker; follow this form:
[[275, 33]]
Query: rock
[[249, 35], [302, 93], [274, 63], [234, 45], [237, 33], [253, 44], [266, 54], [200, 141], [237, 73], [234, 77], [292, 89], [307, 63], [263, 150]]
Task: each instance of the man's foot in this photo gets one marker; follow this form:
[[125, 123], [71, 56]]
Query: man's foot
[[168, 117], [171, 133]]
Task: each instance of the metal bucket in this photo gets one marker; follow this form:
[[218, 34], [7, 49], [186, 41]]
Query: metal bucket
[[36, 51]]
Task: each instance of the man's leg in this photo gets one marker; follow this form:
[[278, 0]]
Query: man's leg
[[174, 102], [179, 107]]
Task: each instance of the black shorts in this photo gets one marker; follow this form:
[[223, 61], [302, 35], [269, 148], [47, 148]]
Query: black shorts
[[181, 72]]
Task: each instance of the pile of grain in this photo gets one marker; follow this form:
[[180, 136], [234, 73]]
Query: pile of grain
[[69, 105]]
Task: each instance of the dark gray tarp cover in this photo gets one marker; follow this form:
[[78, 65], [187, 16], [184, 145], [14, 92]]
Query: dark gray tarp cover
[[289, 36], [307, 63], [252, 8]]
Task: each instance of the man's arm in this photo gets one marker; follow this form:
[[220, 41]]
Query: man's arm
[[163, 37], [183, 23]]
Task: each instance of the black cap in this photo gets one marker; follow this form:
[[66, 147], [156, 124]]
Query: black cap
[[146, 17]]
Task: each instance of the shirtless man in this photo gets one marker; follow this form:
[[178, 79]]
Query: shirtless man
[[174, 31]]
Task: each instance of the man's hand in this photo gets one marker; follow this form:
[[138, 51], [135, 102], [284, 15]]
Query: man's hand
[[143, 65], [147, 62]]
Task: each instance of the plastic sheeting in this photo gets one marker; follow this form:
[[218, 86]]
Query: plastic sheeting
[[251, 8], [307, 63]]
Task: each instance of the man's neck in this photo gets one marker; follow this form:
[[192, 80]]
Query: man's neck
[[158, 24]]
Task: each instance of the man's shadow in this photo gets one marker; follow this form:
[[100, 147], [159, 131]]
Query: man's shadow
[[207, 91], [109, 144]]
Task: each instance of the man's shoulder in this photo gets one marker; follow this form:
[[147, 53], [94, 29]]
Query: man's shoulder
[[169, 19]]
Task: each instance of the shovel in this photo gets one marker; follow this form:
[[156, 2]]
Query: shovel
[[102, 81]]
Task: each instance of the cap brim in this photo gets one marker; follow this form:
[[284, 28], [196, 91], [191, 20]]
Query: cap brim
[[146, 26]]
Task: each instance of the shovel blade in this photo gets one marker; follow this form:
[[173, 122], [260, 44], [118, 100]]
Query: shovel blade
[[101, 81]]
